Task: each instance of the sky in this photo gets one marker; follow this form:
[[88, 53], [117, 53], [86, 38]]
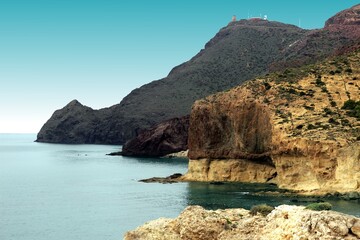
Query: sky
[[98, 51]]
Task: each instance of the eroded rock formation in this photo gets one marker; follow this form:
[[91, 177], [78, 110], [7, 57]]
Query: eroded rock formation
[[285, 222], [164, 138], [287, 128]]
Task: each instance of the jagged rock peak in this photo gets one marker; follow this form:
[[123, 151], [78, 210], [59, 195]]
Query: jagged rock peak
[[74, 103], [349, 16]]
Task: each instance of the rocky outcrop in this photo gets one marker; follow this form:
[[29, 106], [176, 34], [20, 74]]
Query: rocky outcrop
[[284, 222], [75, 123], [240, 51], [166, 137], [287, 128]]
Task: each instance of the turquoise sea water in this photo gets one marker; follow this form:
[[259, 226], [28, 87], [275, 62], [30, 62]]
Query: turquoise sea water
[[75, 192]]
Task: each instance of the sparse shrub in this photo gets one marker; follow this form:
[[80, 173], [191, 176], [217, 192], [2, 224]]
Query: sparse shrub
[[348, 70], [328, 111], [311, 126], [292, 91], [349, 105], [321, 206], [333, 103], [319, 83], [267, 85], [345, 122], [353, 108], [308, 108], [324, 89], [263, 209], [333, 121], [332, 72]]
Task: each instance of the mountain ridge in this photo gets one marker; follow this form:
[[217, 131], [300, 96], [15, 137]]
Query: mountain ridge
[[238, 52]]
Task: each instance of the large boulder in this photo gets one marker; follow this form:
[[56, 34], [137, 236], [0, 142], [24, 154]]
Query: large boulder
[[164, 138]]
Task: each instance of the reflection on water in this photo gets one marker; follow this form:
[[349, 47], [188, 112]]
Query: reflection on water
[[160, 161], [243, 195]]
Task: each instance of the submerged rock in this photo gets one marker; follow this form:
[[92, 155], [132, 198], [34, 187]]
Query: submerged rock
[[174, 178], [284, 222]]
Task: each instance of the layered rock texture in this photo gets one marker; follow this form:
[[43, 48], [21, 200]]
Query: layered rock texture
[[240, 51], [287, 128], [164, 138], [285, 222]]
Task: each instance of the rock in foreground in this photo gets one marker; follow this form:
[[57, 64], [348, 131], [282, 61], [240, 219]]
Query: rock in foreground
[[284, 222]]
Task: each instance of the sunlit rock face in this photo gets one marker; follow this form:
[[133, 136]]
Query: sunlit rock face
[[287, 128], [284, 222]]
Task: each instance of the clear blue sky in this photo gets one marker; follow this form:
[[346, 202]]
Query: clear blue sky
[[97, 51]]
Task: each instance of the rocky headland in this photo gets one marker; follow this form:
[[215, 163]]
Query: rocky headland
[[284, 222], [240, 51], [292, 128]]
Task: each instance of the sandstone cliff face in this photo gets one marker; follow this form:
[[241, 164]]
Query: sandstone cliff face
[[166, 137], [285, 222], [287, 128]]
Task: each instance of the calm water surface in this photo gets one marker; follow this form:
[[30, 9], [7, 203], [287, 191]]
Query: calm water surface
[[75, 192]]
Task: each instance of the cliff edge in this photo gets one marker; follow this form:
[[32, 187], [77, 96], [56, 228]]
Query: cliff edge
[[293, 128]]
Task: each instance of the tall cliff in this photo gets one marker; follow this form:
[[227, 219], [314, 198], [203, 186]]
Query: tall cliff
[[299, 129], [240, 51]]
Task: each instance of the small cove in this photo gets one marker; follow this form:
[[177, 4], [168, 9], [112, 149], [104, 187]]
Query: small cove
[[59, 191]]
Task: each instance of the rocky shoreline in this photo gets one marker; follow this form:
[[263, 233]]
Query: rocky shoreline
[[350, 195], [284, 222]]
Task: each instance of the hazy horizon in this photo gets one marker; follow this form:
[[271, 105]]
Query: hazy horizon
[[99, 51]]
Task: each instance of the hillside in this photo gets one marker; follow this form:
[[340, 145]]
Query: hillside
[[299, 129], [240, 51]]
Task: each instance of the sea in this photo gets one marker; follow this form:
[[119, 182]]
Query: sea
[[75, 192]]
